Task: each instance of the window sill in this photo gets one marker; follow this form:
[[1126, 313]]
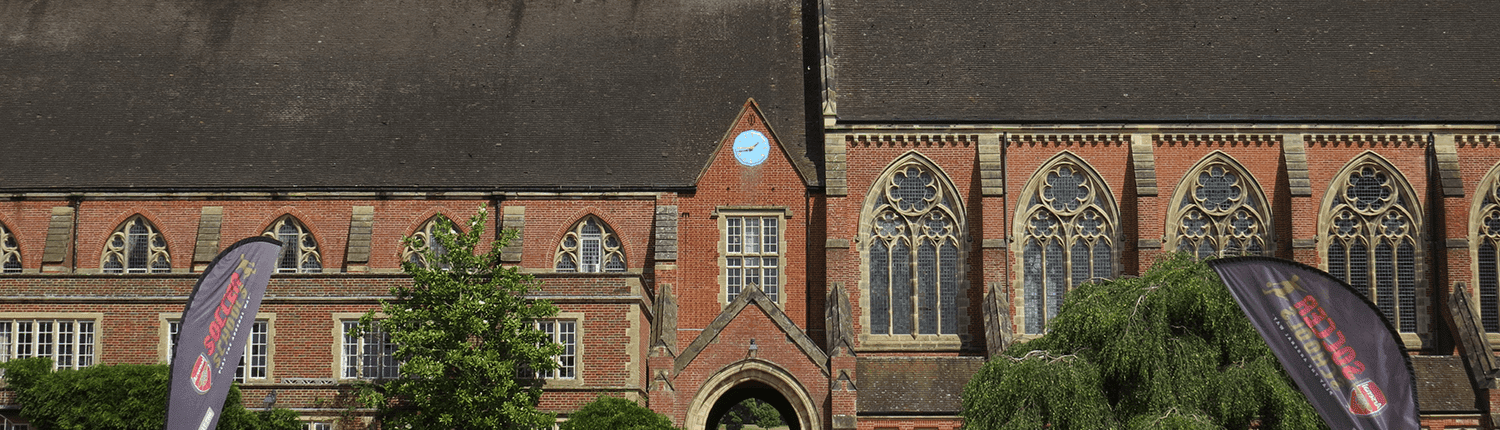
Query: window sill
[[928, 342]]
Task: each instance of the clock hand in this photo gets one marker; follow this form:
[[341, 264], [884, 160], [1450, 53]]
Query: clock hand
[[744, 149]]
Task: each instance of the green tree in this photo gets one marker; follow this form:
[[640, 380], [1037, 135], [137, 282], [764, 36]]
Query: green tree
[[465, 336], [124, 396], [1169, 349], [752, 411], [614, 413]]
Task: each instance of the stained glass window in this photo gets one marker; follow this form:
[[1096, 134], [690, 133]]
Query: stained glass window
[[1372, 229], [1219, 212], [1067, 238], [916, 233]]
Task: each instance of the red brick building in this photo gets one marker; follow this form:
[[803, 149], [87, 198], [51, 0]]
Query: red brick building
[[662, 164]]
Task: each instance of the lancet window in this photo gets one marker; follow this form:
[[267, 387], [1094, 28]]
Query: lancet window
[[136, 247], [1067, 235], [916, 240], [1219, 211], [590, 247], [1371, 223]]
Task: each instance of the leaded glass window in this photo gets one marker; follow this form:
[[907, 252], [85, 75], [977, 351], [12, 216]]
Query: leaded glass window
[[1067, 235], [1219, 212], [299, 250], [1372, 229], [136, 247], [1486, 225], [10, 252], [590, 247], [423, 240], [915, 252], [752, 255]]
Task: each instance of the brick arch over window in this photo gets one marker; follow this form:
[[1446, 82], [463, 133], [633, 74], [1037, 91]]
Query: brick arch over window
[[1484, 244], [589, 246], [136, 246], [1219, 210], [1067, 233], [422, 240], [299, 249], [1370, 235], [914, 247], [10, 251]]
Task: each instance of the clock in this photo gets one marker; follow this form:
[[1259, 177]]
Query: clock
[[751, 148]]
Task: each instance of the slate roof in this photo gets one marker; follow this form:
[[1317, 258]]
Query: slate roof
[[913, 385], [1173, 60], [387, 94], [1443, 385]]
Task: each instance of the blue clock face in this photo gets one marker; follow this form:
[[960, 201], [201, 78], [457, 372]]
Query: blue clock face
[[751, 148]]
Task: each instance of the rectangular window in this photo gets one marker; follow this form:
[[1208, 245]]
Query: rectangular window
[[317, 426], [256, 349], [752, 255], [368, 356], [565, 333], [69, 343]]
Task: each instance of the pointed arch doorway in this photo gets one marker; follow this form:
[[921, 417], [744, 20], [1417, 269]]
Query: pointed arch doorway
[[753, 378]]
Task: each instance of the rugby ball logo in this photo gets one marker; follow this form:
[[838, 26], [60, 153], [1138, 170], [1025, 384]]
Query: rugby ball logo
[[202, 376], [1366, 399]]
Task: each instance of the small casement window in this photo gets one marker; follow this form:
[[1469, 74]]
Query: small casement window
[[371, 355], [10, 252], [299, 251], [590, 247], [915, 252], [68, 342], [423, 240], [752, 250], [136, 247], [1219, 212], [1067, 233], [1371, 224], [253, 364]]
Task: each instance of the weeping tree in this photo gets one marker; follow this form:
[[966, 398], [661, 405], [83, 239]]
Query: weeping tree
[[1167, 350]]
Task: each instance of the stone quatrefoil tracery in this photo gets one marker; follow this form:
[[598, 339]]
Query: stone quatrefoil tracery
[[10, 252], [1068, 240], [1488, 238], [1372, 239], [590, 247], [423, 240], [136, 247], [299, 251], [1221, 214], [915, 241]]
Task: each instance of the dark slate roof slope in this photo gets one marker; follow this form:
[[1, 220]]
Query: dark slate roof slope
[[914, 385], [1173, 60], [1443, 385], [389, 94]]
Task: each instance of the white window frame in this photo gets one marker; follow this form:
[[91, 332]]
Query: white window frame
[[736, 251], [349, 370], [72, 340], [260, 348]]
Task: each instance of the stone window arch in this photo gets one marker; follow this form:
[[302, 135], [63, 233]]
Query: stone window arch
[[914, 246], [1067, 234], [1484, 243], [299, 249], [1218, 210], [10, 251], [1369, 234], [136, 247], [423, 240], [590, 246]]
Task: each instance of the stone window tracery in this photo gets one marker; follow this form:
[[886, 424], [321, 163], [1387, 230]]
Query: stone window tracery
[[1485, 229], [1371, 225], [1219, 212], [299, 250], [136, 247], [10, 252], [916, 238], [423, 240], [1067, 236], [590, 247]]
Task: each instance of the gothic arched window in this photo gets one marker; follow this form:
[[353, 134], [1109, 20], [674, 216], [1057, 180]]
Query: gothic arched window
[[136, 247], [1484, 230], [10, 252], [1219, 211], [590, 247], [423, 240], [1066, 235], [299, 251], [916, 236], [1371, 226]]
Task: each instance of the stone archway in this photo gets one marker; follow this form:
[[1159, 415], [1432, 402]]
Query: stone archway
[[758, 379]]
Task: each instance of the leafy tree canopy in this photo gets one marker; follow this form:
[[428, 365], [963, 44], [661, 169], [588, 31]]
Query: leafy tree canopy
[[465, 335], [1167, 350], [614, 413], [124, 397], [752, 411]]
